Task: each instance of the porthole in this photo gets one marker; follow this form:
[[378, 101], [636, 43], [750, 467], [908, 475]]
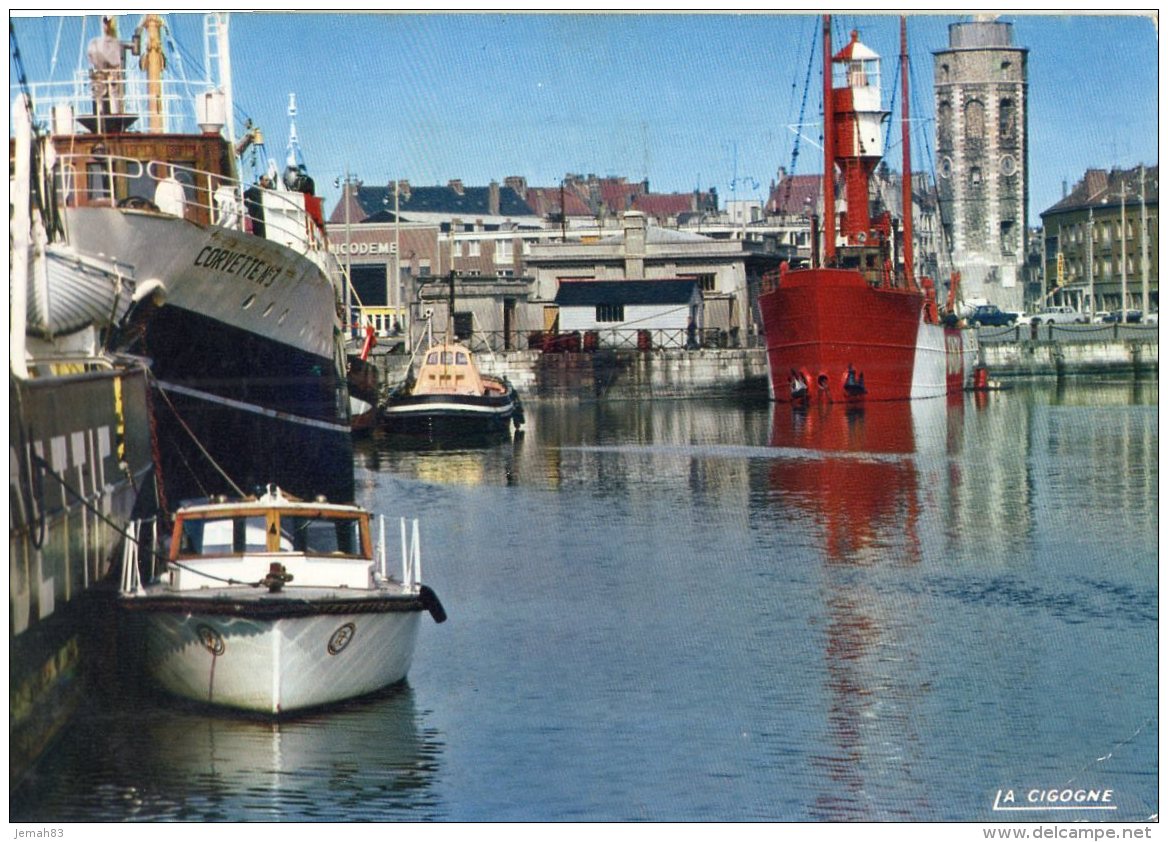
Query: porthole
[[283, 316], [250, 300], [946, 167], [268, 310], [1008, 165]]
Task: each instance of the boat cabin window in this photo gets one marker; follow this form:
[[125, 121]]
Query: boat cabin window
[[321, 535], [447, 357], [223, 536]]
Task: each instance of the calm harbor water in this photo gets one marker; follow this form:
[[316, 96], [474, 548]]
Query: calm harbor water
[[714, 611]]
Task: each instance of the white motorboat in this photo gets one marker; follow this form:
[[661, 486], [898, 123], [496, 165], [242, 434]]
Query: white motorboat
[[275, 604]]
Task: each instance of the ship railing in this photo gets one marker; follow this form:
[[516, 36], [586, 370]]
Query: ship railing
[[281, 216], [141, 539], [60, 106], [411, 554]]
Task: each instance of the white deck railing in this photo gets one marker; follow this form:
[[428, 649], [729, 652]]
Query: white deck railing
[[221, 199]]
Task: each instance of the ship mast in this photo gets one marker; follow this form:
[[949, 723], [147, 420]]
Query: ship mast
[[828, 150], [153, 62], [906, 173]]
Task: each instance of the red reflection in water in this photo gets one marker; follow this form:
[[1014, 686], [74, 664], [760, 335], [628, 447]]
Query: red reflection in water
[[849, 481], [853, 475]]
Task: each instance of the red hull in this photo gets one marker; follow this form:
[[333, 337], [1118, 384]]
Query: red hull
[[849, 341]]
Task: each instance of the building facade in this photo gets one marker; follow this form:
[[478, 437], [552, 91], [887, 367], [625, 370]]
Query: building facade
[[1101, 242], [980, 84], [646, 252], [666, 313]]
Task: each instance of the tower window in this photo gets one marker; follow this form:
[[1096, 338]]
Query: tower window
[[974, 119], [1006, 118]]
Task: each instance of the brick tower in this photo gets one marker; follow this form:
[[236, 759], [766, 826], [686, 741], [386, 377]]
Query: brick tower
[[980, 84]]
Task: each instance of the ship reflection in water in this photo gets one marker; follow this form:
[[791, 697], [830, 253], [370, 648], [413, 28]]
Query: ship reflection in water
[[181, 764], [857, 475]]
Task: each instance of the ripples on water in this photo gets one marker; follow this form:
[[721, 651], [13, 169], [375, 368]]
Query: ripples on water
[[700, 611]]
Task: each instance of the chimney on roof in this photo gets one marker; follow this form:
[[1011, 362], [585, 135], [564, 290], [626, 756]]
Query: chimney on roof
[[493, 199], [455, 184], [635, 245], [517, 183], [403, 190], [1064, 188]]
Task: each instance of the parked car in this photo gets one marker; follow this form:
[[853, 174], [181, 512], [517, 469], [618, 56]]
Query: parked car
[[990, 315], [1152, 319], [1132, 317], [1058, 315]]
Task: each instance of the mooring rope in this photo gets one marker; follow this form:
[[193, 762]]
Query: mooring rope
[[162, 391]]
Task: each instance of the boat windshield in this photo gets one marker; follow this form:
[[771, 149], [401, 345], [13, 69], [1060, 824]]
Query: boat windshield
[[320, 535], [233, 535], [223, 536]]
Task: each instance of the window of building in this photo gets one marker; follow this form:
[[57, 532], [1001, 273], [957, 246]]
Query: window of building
[[463, 324], [975, 176], [504, 251], [944, 124], [707, 280], [1007, 229], [610, 312], [474, 248], [505, 273], [974, 119], [456, 248], [1006, 119]]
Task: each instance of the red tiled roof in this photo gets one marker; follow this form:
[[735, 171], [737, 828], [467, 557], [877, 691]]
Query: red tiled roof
[[1099, 187], [663, 204], [795, 194], [617, 193], [546, 200]]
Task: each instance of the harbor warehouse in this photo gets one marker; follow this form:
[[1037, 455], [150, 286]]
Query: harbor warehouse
[[613, 309]]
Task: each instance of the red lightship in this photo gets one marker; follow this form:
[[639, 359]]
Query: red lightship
[[856, 327]]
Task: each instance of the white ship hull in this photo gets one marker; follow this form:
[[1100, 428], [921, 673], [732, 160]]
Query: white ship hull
[[274, 666]]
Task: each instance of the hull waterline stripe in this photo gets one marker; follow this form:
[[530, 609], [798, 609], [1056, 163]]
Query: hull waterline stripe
[[253, 408], [453, 408]]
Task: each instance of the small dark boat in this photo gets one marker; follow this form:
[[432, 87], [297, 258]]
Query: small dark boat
[[451, 400]]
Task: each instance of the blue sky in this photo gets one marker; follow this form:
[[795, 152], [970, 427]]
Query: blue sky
[[684, 100]]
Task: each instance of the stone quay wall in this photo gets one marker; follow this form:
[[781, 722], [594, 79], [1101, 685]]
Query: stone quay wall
[[671, 373]]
